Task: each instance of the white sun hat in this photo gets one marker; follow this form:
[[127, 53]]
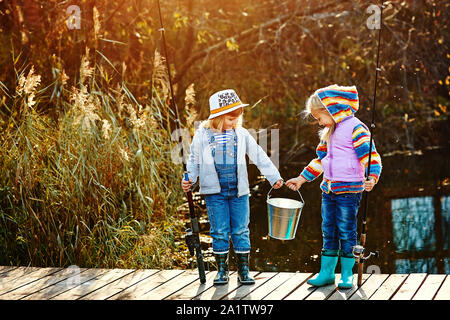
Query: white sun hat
[[223, 102]]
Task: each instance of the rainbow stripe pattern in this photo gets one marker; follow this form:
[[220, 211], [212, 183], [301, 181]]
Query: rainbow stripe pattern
[[361, 144], [340, 101], [314, 168]]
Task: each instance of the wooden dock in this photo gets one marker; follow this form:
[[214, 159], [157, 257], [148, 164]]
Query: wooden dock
[[73, 283]]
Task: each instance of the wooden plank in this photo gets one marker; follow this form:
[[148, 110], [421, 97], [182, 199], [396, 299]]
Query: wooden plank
[[42, 283], [7, 284], [288, 286], [5, 269], [138, 290], [429, 287], [194, 289], [334, 293], [172, 286], [345, 294], [389, 287], [244, 290], [369, 287], [93, 284], [444, 290], [302, 292], [17, 273], [269, 286], [119, 285], [322, 293], [409, 287], [66, 284], [217, 292], [58, 283]]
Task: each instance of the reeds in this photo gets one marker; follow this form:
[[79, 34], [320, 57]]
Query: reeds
[[96, 187]]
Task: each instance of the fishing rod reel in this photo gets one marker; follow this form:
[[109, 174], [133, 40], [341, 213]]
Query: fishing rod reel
[[358, 253], [192, 241]]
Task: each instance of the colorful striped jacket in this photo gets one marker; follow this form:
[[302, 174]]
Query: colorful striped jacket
[[342, 102]]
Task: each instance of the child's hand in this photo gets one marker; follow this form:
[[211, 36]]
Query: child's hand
[[186, 185], [295, 183], [278, 184], [369, 184]]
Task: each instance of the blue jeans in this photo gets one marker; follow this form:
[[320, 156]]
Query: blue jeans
[[229, 215], [339, 221]]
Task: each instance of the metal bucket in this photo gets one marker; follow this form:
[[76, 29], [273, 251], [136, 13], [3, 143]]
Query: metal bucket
[[283, 216]]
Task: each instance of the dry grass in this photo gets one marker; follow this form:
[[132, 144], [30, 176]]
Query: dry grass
[[96, 187]]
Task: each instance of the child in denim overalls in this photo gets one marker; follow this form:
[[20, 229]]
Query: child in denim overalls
[[217, 157], [343, 154]]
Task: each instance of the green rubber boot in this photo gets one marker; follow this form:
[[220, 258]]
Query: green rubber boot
[[243, 269], [328, 264], [222, 268], [346, 281]]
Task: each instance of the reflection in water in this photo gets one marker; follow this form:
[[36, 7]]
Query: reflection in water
[[413, 222], [416, 266], [446, 222]]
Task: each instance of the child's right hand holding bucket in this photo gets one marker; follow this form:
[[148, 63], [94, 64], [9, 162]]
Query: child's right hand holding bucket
[[186, 185], [295, 183]]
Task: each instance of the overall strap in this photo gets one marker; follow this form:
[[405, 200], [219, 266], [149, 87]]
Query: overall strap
[[212, 142], [226, 147]]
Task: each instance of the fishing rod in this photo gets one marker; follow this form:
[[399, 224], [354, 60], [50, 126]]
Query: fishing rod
[[358, 250], [192, 234]]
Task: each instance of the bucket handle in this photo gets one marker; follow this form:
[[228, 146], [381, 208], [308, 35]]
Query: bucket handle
[[268, 194]]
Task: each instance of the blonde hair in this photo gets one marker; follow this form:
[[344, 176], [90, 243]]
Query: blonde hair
[[314, 103], [217, 122]]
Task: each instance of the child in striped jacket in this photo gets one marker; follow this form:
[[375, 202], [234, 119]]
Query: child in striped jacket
[[342, 157]]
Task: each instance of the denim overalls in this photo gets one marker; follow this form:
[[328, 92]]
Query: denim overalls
[[229, 215]]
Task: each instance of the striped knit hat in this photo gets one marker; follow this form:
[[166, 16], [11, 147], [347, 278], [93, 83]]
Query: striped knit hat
[[340, 101], [223, 102]]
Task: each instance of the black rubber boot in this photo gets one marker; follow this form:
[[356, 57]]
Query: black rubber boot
[[243, 270], [222, 268]]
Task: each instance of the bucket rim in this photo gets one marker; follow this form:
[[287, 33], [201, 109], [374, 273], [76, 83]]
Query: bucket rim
[[298, 191], [300, 205]]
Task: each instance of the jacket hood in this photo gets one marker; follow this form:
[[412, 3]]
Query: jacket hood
[[340, 101]]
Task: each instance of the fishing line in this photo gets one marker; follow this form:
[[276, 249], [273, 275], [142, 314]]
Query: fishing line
[[358, 250], [192, 234]]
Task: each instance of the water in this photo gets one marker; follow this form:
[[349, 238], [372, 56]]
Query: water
[[408, 219]]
